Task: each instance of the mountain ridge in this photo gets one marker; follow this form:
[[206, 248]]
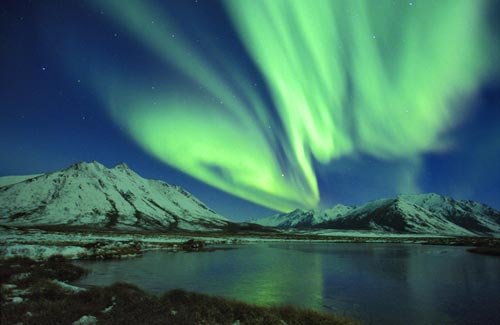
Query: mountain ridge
[[407, 213], [90, 194]]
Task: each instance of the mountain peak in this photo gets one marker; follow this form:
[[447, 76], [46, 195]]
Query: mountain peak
[[410, 213], [121, 165], [83, 165], [89, 194]]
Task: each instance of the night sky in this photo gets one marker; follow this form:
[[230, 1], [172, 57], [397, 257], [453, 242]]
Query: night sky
[[258, 106]]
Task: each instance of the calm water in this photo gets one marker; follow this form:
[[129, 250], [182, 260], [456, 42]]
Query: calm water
[[377, 283]]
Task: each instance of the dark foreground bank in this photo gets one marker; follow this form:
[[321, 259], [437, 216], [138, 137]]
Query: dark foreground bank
[[36, 293], [493, 251]]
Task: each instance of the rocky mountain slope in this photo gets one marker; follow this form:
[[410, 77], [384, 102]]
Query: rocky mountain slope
[[91, 195], [419, 214]]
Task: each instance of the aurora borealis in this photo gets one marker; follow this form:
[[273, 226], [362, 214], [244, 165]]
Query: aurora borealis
[[307, 54], [284, 104]]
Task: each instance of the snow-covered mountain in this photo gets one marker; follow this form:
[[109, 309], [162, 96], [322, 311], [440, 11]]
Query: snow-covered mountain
[[91, 195], [9, 180], [420, 214]]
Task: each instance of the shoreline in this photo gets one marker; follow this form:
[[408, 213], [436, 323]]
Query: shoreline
[[38, 293], [40, 244], [33, 294], [90, 244]]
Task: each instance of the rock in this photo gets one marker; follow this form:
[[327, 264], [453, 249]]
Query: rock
[[19, 292], [192, 244], [21, 276], [107, 309], [68, 287], [8, 286], [86, 320]]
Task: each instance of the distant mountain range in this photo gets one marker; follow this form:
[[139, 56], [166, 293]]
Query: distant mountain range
[[418, 214], [91, 195]]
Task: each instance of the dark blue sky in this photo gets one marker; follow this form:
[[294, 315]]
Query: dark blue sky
[[51, 114]]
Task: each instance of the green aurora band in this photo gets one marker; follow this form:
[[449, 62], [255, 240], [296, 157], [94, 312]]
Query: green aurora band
[[381, 78]]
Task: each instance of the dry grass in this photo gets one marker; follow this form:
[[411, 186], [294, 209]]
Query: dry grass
[[56, 267]]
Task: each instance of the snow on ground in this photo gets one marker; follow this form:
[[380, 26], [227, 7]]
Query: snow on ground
[[40, 244], [40, 252], [360, 233]]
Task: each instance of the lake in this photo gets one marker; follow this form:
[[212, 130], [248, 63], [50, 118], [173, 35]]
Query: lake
[[376, 283]]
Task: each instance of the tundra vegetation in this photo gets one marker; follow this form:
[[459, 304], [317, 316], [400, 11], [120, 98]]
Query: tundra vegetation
[[37, 292]]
